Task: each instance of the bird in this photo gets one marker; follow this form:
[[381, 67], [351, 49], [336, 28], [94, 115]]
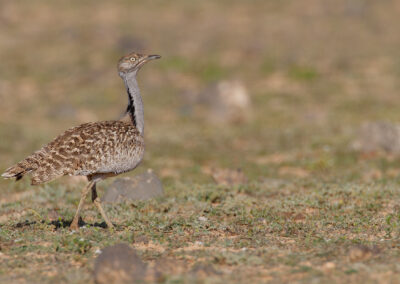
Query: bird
[[96, 150]]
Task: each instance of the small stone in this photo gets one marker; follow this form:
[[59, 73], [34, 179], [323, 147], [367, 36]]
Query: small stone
[[377, 137], [119, 264], [141, 187], [224, 101], [361, 253], [202, 219]]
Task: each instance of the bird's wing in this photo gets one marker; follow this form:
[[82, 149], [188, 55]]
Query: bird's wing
[[83, 150]]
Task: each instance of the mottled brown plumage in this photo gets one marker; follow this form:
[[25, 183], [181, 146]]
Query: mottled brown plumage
[[86, 150], [96, 150]]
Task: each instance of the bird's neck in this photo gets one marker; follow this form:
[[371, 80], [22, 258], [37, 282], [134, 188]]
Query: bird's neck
[[135, 104]]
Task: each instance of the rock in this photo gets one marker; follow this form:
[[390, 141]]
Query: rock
[[119, 264], [378, 136], [361, 253], [225, 101], [141, 187], [228, 177]]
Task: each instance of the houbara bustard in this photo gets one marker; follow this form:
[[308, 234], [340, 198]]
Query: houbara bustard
[[96, 150]]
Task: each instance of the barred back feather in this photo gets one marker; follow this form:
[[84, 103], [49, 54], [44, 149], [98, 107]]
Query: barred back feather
[[89, 149]]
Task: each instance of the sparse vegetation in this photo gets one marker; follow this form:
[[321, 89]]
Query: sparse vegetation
[[314, 210]]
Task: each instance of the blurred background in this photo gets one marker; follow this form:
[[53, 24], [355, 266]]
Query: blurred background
[[276, 88], [272, 124]]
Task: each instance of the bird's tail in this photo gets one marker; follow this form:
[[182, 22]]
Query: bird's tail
[[17, 171]]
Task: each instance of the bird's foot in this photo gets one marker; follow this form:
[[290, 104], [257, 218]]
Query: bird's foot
[[74, 226], [110, 225], [75, 223]]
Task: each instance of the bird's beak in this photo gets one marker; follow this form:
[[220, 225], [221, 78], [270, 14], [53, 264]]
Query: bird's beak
[[151, 57], [146, 59]]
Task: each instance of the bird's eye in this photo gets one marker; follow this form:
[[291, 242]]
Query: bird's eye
[[133, 59]]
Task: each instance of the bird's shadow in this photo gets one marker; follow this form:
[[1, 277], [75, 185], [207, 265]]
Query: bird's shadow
[[60, 223]]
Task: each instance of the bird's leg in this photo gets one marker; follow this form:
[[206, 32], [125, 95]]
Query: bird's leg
[[85, 191], [98, 205], [94, 193], [97, 202]]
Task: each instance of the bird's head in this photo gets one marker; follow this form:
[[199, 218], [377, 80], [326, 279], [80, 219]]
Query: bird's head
[[133, 61]]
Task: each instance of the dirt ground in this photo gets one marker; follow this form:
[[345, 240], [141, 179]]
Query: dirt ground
[[311, 209]]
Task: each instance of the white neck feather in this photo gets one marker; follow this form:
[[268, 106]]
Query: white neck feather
[[135, 107]]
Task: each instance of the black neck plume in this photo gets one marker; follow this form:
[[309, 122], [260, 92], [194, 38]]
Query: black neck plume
[[131, 108]]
